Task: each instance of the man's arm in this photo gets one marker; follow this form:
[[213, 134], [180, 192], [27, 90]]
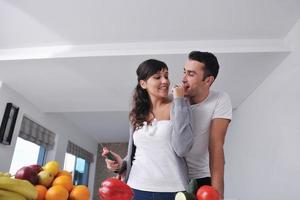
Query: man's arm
[[216, 153]]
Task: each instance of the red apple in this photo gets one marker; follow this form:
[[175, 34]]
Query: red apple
[[36, 168], [26, 173]]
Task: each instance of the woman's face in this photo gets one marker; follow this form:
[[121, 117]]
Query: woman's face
[[158, 84]]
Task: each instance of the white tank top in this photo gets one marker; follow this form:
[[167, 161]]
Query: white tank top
[[156, 167]]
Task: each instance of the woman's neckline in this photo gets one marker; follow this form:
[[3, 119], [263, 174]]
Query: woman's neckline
[[161, 120]]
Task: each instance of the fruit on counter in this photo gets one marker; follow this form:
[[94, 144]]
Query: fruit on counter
[[27, 173], [64, 173], [207, 192], [80, 192], [64, 181], [8, 195], [45, 178], [57, 192], [47, 187], [112, 189], [36, 168], [22, 187], [41, 192], [52, 167]]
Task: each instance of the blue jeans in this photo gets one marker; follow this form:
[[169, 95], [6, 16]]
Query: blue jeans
[[144, 195]]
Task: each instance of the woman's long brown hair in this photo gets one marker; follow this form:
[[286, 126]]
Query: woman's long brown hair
[[141, 103]]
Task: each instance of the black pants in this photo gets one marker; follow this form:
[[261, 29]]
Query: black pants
[[195, 184], [203, 181]]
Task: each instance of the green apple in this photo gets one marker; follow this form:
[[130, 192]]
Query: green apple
[[45, 178]]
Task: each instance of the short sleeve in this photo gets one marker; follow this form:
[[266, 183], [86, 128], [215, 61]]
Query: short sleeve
[[223, 107]]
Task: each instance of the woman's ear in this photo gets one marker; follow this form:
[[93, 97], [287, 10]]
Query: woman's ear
[[143, 84]]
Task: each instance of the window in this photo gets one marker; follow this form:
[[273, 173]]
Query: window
[[79, 168], [26, 153]]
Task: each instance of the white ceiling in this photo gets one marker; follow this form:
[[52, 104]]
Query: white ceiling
[[56, 22], [78, 58]]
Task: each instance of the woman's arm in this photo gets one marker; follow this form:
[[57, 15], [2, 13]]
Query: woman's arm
[[182, 136]]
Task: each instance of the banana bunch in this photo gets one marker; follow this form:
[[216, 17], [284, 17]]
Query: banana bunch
[[7, 195], [16, 189], [5, 174]]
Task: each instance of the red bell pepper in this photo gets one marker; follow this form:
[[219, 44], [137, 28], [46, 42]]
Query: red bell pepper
[[114, 189]]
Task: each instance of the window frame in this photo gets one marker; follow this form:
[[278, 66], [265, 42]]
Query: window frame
[[41, 154], [85, 178]]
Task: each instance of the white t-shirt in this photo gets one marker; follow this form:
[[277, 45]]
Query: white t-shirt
[[156, 167], [216, 105]]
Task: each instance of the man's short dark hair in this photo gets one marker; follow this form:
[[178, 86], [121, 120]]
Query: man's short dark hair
[[209, 60]]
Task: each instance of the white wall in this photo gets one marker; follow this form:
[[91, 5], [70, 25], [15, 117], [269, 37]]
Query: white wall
[[64, 131], [263, 144]]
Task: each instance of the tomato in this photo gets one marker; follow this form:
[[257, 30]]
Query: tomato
[[207, 192]]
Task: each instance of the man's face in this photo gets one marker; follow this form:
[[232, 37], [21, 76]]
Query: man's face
[[192, 80]]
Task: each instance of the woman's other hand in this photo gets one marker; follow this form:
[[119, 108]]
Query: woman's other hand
[[112, 165]]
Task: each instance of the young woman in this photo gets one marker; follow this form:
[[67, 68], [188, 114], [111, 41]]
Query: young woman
[[160, 136]]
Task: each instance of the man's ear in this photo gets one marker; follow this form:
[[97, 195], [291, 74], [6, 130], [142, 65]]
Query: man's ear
[[143, 84], [209, 80]]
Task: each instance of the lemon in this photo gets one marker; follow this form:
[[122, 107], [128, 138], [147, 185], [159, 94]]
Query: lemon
[[52, 167]]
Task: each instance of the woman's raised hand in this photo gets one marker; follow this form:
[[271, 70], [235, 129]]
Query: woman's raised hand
[[178, 90]]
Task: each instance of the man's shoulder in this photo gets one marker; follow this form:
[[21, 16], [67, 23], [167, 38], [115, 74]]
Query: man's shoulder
[[215, 94], [223, 106], [218, 92]]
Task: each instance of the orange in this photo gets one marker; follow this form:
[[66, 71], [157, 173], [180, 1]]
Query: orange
[[64, 181], [80, 192], [64, 172], [41, 192], [52, 166], [57, 192]]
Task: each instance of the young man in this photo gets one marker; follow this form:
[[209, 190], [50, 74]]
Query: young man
[[211, 114]]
